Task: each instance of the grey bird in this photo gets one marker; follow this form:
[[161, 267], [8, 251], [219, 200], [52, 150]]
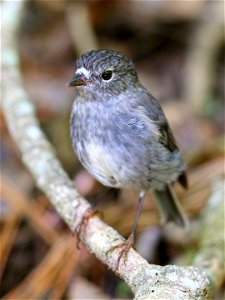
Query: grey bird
[[121, 135]]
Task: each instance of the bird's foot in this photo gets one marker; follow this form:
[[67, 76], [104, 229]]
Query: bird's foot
[[82, 226], [125, 247]]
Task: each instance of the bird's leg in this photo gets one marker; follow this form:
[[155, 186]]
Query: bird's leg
[[81, 227], [125, 246]]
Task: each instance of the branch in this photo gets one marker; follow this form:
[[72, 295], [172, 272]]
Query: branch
[[145, 280], [210, 256], [79, 26], [200, 66]]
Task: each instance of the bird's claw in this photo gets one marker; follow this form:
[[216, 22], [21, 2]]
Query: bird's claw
[[125, 247], [82, 226]]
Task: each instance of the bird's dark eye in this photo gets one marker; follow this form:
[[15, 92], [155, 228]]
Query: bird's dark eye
[[107, 75]]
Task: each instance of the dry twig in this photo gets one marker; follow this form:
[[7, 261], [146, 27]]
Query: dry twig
[[52, 275], [21, 204]]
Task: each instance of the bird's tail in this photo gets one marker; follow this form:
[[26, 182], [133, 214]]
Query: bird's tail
[[169, 207]]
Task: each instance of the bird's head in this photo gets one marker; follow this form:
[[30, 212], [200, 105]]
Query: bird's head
[[105, 71]]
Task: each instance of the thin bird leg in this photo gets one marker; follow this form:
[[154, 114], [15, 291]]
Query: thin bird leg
[[82, 226], [125, 246]]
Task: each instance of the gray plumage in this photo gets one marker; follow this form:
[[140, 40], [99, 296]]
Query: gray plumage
[[120, 133]]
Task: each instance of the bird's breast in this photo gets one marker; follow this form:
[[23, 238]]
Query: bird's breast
[[120, 146]]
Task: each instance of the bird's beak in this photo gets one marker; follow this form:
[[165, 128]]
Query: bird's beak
[[77, 80]]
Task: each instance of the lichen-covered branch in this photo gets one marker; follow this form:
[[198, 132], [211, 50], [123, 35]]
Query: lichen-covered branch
[[210, 256], [146, 281]]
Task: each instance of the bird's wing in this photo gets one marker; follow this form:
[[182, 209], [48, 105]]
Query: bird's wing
[[167, 138], [156, 114]]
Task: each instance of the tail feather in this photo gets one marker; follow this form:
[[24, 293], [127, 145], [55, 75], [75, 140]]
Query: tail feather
[[169, 207], [183, 180]]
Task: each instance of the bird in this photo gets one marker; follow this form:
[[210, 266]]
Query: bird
[[121, 135]]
